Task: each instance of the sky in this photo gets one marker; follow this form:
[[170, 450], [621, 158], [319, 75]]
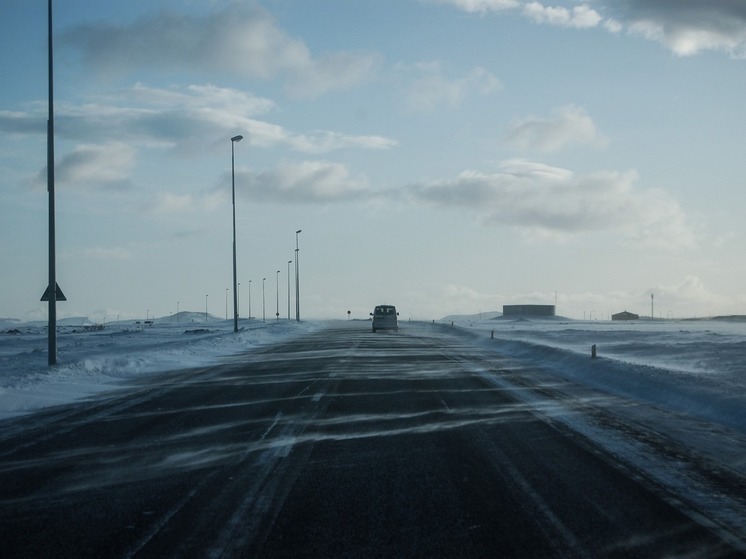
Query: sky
[[444, 156]]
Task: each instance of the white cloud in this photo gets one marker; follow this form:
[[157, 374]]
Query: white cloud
[[240, 41], [686, 27], [325, 141], [481, 6], [108, 165], [691, 292], [171, 203], [187, 119], [554, 203], [303, 182], [432, 89], [197, 96], [580, 17], [568, 125]]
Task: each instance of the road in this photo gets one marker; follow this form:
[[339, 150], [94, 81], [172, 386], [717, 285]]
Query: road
[[342, 443]]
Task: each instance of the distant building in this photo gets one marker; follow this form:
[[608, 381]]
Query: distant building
[[625, 316], [528, 310]]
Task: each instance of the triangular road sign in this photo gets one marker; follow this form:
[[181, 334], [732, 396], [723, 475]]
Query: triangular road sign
[[59, 296]]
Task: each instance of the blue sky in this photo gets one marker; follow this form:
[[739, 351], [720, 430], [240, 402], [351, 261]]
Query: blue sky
[[446, 156]]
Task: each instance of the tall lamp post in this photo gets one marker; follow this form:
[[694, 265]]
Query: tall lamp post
[[234, 139], [289, 262], [249, 299], [277, 295], [52, 284], [264, 314], [297, 280]]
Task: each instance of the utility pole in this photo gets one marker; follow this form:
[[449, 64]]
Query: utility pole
[[52, 284]]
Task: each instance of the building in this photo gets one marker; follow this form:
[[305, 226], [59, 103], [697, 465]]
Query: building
[[625, 316], [528, 310]]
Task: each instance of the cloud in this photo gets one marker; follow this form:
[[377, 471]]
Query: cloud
[[480, 6], [185, 119], [238, 41], [567, 125], [538, 200], [22, 122], [688, 27], [690, 292], [315, 182], [88, 165], [579, 17], [554, 203], [181, 203], [431, 89]]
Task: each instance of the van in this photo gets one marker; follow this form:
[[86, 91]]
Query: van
[[384, 318]]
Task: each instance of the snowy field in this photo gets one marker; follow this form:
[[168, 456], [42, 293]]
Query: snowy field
[[695, 367], [92, 359], [678, 381]]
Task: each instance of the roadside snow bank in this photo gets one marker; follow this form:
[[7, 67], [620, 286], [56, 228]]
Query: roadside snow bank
[[696, 368], [92, 360]]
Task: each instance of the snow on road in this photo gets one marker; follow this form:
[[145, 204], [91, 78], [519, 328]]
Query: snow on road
[[696, 368], [684, 381], [94, 358]]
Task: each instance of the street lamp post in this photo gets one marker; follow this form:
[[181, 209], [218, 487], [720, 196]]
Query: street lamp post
[[264, 314], [52, 283], [226, 303], [289, 262], [277, 295], [234, 139], [206, 308], [249, 299], [297, 279]]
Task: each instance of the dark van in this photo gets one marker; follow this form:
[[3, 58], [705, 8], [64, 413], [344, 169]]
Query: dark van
[[384, 318]]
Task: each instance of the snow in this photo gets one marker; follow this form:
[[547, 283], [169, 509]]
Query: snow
[[664, 398], [681, 384], [94, 358], [695, 367]]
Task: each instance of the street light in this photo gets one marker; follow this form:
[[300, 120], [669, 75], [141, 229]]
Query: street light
[[205, 308], [277, 295], [264, 314], [226, 303], [289, 262], [52, 283], [297, 279], [249, 299], [234, 139]]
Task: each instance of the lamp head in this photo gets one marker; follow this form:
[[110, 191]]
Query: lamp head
[[237, 138]]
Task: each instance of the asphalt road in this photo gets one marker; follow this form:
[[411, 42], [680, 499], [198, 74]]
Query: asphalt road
[[343, 443]]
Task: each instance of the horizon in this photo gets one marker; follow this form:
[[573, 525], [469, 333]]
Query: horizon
[[211, 318], [582, 154]]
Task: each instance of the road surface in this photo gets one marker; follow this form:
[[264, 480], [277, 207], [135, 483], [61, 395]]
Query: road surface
[[342, 443]]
